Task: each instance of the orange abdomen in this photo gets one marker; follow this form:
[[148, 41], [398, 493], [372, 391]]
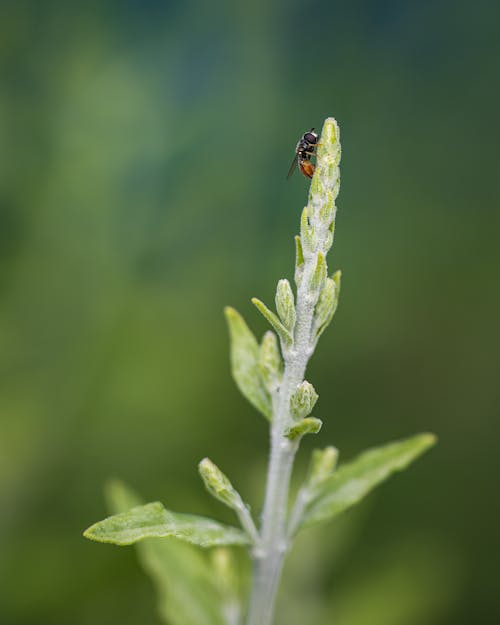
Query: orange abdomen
[[306, 167]]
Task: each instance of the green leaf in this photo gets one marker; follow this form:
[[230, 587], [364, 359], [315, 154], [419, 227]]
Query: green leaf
[[354, 480], [245, 363], [188, 593], [327, 304], [120, 497], [273, 319], [299, 252], [185, 578], [154, 521], [318, 277], [308, 237], [285, 304], [231, 583], [327, 211], [309, 425], [322, 465], [270, 363], [219, 485], [221, 488]]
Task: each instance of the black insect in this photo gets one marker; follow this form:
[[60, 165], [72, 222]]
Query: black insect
[[303, 151]]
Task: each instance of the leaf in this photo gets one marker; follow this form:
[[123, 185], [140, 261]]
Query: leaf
[[299, 252], [189, 593], [270, 363], [354, 480], [285, 304], [322, 465], [154, 521], [273, 319], [327, 304], [219, 485], [232, 585], [221, 488], [120, 497], [245, 363], [307, 233], [318, 277], [299, 261], [309, 425]]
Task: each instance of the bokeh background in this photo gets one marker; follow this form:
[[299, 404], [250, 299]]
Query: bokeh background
[[143, 153]]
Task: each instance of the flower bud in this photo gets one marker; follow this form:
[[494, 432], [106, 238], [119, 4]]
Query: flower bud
[[285, 305], [269, 363], [303, 400], [219, 485]]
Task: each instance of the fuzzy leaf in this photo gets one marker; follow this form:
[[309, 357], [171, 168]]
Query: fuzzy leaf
[[307, 234], [188, 590], [309, 425], [154, 521], [218, 484], [299, 260], [227, 576], [322, 465], [354, 480], [221, 488], [245, 363], [273, 319], [327, 304], [270, 364], [299, 252], [285, 304], [318, 278], [327, 212]]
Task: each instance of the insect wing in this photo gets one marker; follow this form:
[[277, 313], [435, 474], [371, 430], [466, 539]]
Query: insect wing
[[292, 166]]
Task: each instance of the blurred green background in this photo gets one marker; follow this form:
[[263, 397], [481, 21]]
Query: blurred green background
[[143, 154]]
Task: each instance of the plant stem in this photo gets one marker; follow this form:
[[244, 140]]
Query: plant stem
[[269, 556], [317, 228], [247, 522]]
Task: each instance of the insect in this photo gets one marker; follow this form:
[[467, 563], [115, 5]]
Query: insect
[[304, 149]]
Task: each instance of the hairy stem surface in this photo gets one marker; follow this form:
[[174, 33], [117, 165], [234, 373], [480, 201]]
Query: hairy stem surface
[[270, 553]]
